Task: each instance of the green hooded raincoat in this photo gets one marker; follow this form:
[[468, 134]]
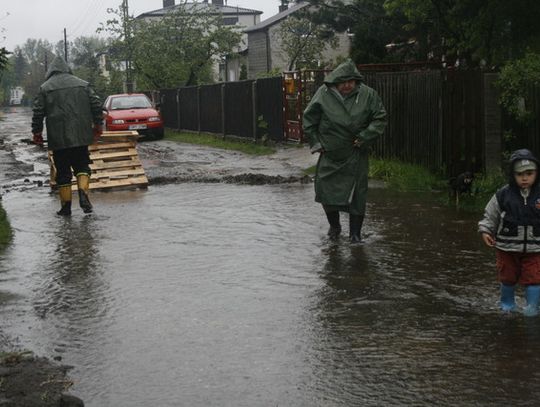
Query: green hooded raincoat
[[70, 107], [333, 123]]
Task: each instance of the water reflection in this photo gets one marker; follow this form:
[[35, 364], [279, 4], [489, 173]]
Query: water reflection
[[212, 295], [411, 318], [69, 289]]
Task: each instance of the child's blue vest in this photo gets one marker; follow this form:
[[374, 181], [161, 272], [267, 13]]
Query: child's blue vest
[[519, 229]]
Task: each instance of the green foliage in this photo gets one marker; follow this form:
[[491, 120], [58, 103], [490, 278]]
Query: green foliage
[[3, 59], [405, 177], [246, 147], [475, 32], [368, 23], [303, 42], [484, 187], [270, 74], [31, 63], [401, 176], [176, 50], [5, 228], [516, 81], [262, 127], [243, 72], [261, 123]]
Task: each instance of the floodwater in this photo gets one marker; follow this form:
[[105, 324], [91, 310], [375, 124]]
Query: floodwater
[[212, 294]]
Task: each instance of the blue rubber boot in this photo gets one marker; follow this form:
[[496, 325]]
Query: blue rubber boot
[[532, 295], [508, 302]]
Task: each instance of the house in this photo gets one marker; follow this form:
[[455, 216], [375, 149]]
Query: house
[[240, 18], [264, 43], [16, 95]]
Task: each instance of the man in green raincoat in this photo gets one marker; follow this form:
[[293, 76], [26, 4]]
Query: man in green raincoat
[[341, 121], [73, 116]]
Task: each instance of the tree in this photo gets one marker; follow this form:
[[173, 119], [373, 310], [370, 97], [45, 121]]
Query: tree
[[369, 24], [3, 59], [178, 49], [303, 42], [517, 80], [7, 81], [472, 31], [31, 63]]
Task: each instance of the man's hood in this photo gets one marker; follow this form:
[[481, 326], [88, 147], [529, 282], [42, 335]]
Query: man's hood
[[58, 65], [344, 72]]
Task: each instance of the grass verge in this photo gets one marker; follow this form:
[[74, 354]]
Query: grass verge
[[246, 147], [401, 176], [5, 228]]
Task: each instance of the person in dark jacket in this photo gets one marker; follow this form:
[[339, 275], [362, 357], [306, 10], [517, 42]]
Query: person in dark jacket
[[511, 225], [73, 116], [344, 117]]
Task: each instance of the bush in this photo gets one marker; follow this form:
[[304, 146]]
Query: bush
[[5, 228], [516, 81]]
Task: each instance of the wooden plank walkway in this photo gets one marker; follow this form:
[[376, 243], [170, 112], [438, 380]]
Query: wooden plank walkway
[[114, 162]]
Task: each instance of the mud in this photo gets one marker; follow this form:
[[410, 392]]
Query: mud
[[30, 381], [170, 163], [241, 179]]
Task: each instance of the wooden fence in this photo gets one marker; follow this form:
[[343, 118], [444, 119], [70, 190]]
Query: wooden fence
[[248, 109], [448, 121]]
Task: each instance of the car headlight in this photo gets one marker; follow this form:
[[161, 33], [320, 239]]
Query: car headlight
[[117, 121], [154, 119]]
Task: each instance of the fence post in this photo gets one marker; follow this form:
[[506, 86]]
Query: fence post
[[254, 108], [198, 109], [223, 110], [178, 108], [492, 123]]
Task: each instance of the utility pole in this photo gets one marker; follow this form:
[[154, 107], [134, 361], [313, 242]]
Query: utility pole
[[127, 37], [65, 46]]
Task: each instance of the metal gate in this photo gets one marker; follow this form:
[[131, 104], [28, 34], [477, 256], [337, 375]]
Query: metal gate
[[298, 89]]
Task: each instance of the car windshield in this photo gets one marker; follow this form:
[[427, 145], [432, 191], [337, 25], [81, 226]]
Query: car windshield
[[130, 102]]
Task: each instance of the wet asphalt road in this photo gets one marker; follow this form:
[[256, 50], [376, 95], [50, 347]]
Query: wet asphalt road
[[215, 294]]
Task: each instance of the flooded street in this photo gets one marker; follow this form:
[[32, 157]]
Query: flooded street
[[216, 294]]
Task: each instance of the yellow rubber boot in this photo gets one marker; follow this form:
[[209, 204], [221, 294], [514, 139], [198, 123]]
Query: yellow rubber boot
[[83, 183], [64, 191]]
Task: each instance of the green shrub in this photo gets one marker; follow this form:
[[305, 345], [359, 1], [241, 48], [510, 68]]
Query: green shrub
[[516, 81], [5, 228]]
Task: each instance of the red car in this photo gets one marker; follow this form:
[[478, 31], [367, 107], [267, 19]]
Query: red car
[[133, 111]]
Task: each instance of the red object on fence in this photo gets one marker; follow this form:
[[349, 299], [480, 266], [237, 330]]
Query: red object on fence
[[298, 89]]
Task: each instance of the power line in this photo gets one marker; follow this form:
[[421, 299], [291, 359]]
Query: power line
[[86, 18]]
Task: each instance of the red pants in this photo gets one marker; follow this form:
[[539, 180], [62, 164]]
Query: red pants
[[516, 267]]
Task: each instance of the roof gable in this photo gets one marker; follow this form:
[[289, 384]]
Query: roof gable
[[199, 7], [275, 19]]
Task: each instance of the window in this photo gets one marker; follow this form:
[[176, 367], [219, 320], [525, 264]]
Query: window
[[230, 20]]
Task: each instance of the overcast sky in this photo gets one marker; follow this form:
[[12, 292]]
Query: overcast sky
[[46, 19]]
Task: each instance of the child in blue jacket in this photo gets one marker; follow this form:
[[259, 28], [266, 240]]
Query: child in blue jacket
[[511, 225]]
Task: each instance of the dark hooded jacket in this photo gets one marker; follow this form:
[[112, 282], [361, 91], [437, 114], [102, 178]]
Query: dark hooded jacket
[[69, 107], [333, 123], [513, 216]]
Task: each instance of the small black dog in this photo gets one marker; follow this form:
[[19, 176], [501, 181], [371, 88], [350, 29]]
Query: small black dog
[[462, 184]]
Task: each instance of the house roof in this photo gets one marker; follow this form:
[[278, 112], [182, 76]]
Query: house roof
[[264, 25], [216, 9]]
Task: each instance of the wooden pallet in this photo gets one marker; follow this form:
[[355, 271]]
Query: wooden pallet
[[114, 162]]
